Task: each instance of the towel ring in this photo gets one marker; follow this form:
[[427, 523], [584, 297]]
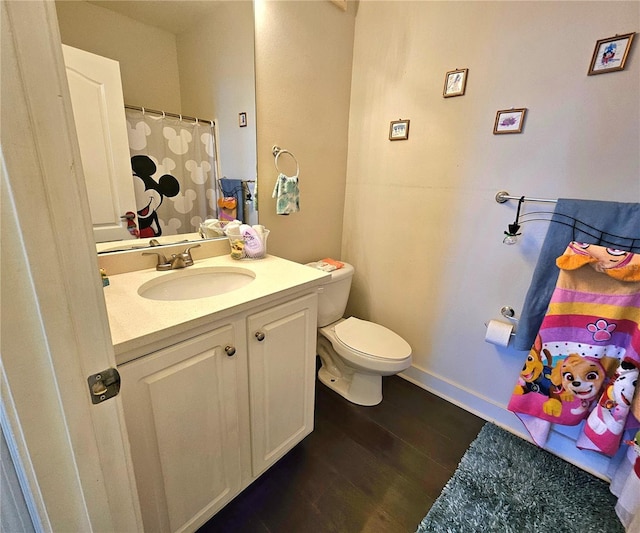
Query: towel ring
[[277, 151]]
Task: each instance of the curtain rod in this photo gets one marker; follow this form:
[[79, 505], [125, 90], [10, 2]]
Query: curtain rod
[[503, 196], [166, 114]]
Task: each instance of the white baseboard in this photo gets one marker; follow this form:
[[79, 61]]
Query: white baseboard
[[561, 440]]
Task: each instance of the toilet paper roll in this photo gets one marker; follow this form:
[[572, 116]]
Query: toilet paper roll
[[498, 333]]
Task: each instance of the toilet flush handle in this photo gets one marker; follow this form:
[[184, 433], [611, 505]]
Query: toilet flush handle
[[259, 336]]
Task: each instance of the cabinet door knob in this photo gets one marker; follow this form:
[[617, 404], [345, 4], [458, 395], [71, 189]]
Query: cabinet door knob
[[230, 350], [260, 336]]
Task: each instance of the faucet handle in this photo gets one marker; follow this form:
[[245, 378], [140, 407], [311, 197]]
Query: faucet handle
[[186, 255], [162, 264], [178, 261]]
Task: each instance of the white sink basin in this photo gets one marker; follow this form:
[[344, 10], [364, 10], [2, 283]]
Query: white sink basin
[[194, 283]]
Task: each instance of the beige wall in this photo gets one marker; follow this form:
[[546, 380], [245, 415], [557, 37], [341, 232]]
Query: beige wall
[[303, 77], [147, 55], [421, 224]]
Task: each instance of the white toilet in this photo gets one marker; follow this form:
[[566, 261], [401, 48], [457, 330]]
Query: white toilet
[[355, 353]]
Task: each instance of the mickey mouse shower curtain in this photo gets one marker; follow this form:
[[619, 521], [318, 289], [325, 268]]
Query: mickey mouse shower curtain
[[174, 170]]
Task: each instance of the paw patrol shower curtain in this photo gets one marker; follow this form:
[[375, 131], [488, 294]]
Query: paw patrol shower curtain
[[584, 362]]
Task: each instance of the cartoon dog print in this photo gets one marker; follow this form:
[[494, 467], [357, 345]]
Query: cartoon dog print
[[612, 409], [575, 377], [150, 194], [535, 376]]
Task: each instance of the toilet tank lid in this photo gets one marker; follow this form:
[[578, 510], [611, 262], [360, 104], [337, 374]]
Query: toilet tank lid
[[346, 270], [371, 338]]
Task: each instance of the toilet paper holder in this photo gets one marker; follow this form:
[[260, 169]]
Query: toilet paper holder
[[512, 334], [508, 312]]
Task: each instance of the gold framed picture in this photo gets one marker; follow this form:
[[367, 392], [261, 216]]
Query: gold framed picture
[[509, 121], [399, 130], [610, 54], [455, 82]]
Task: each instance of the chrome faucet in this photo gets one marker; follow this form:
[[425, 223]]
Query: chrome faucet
[[181, 260]]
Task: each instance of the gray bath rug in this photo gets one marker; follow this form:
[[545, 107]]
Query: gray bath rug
[[504, 484]]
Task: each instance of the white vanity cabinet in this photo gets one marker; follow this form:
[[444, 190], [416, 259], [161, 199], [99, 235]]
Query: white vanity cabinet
[[207, 415]]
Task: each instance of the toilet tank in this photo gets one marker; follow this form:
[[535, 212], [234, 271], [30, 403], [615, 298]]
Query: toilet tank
[[333, 295]]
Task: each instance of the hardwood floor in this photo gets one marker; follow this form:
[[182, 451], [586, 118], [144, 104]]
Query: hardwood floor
[[363, 469]]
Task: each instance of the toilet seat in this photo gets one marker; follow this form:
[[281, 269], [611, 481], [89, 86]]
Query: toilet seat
[[371, 339]]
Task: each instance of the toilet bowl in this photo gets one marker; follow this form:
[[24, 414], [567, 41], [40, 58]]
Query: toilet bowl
[[354, 353]]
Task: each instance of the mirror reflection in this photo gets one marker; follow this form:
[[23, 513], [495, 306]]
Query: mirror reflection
[[181, 65]]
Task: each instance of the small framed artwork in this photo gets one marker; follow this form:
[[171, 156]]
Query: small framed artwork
[[399, 130], [242, 120], [509, 121], [610, 54], [455, 82]]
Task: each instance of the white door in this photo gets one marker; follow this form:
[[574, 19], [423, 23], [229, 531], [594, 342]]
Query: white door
[[98, 110], [73, 455]]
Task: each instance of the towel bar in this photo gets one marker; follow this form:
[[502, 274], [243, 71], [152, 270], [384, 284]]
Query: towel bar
[[503, 196]]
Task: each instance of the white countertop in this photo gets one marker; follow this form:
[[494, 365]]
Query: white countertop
[[137, 322]]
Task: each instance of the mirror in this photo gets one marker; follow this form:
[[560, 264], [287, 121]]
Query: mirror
[[186, 57]]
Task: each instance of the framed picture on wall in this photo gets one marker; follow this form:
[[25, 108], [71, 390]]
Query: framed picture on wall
[[455, 82], [509, 121], [399, 130], [610, 54]]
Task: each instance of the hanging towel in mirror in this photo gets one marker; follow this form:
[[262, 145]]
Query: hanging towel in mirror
[[287, 195], [234, 188], [227, 208]]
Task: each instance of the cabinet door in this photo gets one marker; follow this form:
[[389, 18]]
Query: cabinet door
[[282, 351], [182, 412]]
